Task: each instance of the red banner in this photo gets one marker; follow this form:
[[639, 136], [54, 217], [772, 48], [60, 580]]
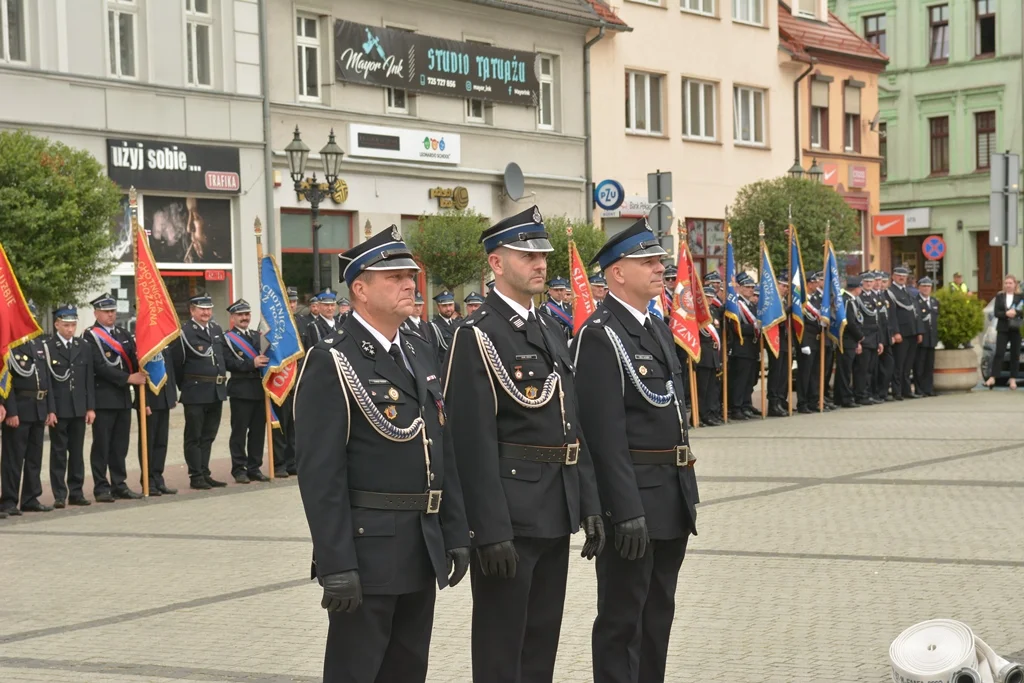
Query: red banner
[[683, 320], [157, 322], [17, 325], [582, 300], [278, 384]]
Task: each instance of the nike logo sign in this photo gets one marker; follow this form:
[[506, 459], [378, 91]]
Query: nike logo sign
[[886, 226], [829, 174]]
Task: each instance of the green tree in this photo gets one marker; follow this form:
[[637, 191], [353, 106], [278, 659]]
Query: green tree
[[448, 245], [588, 240], [56, 212], [813, 205]]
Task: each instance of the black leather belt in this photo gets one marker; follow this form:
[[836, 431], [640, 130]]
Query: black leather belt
[[680, 456], [429, 502], [37, 395], [215, 379], [568, 454]]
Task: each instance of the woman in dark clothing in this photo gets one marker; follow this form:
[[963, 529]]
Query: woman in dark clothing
[[1008, 307]]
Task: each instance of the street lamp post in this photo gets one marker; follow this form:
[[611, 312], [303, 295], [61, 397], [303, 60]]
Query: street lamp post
[[796, 170], [313, 191], [815, 172]]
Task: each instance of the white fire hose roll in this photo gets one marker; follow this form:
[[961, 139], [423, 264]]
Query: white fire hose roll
[[947, 651]]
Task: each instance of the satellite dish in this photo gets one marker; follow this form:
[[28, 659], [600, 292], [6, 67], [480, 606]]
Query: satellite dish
[[874, 122], [514, 183]]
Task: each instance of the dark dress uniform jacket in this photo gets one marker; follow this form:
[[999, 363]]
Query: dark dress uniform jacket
[[339, 450], [869, 325], [77, 394], [112, 390], [245, 381], [905, 310], [749, 347], [200, 353], [665, 494], [29, 359], [928, 320], [711, 357], [508, 497], [316, 330], [446, 331], [853, 333]]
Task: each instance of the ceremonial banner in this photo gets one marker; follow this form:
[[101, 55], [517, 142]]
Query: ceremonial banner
[[797, 285], [157, 323], [17, 325], [770, 311], [583, 300], [683, 318], [732, 302], [279, 331], [833, 310]]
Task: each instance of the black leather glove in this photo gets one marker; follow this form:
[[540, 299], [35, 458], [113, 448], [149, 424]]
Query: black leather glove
[[458, 560], [631, 538], [342, 592], [498, 559], [593, 527]]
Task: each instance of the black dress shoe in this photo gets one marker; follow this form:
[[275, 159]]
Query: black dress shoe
[[166, 490], [917, 396], [79, 501], [105, 497], [241, 478], [3, 515], [738, 416], [154, 491], [280, 473], [714, 422], [127, 494], [888, 399], [35, 506], [293, 472], [214, 483], [851, 404], [12, 512], [59, 504], [199, 483], [805, 410], [258, 476], [752, 414]]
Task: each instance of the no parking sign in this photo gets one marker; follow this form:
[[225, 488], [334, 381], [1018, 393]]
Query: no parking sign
[[933, 248]]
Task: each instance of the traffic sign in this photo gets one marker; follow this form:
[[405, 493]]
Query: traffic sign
[[933, 248], [609, 195]]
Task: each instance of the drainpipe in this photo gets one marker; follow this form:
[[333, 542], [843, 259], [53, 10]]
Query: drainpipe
[[796, 113], [588, 151], [269, 234]]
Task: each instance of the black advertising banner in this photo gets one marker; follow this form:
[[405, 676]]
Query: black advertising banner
[[174, 167], [392, 58]]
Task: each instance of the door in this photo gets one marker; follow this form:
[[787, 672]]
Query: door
[[990, 267]]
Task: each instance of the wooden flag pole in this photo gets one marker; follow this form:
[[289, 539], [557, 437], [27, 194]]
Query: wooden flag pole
[[789, 314], [258, 230], [694, 404], [141, 388], [725, 336], [824, 332]]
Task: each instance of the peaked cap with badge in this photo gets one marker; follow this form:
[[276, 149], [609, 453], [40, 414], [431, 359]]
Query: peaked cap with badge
[[383, 251], [523, 232]]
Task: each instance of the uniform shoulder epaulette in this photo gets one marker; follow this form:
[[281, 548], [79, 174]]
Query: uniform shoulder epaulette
[[330, 341]]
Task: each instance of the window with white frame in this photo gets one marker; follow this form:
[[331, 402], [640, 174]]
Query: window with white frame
[[199, 42], [307, 40], [546, 101], [698, 6], [122, 19], [12, 31], [806, 7], [748, 11], [475, 112], [643, 103], [397, 99], [699, 106], [819, 113], [748, 115]]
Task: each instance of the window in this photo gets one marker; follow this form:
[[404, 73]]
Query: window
[[398, 103], [939, 130], [199, 29], [121, 16], [939, 20], [748, 115], [699, 105], [851, 117], [874, 31], [643, 103], [807, 7], [984, 137], [883, 148], [748, 11], [307, 38], [819, 114], [699, 6], [985, 28], [12, 31], [546, 102], [475, 111]]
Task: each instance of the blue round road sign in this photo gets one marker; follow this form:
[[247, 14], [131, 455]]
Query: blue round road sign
[[933, 248], [609, 194]]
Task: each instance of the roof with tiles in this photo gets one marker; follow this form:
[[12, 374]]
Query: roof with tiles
[[803, 37], [586, 12]]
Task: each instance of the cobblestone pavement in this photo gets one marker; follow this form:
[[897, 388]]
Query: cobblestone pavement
[[821, 538]]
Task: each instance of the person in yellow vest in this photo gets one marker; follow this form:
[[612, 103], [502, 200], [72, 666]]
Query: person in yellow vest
[[958, 284]]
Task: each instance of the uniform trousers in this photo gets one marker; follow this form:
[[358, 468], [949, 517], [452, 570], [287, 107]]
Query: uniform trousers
[[924, 369], [635, 608], [157, 426], [778, 382], [709, 393], [806, 364], [386, 640], [844, 374], [248, 434], [908, 368], [883, 372], [110, 432], [899, 368], [742, 376], [21, 460], [863, 371], [67, 457], [516, 621], [284, 438], [202, 420]]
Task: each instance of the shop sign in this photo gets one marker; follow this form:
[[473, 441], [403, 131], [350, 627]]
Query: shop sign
[[914, 218], [214, 275], [830, 174], [174, 167], [858, 176], [450, 197], [404, 144], [633, 206]]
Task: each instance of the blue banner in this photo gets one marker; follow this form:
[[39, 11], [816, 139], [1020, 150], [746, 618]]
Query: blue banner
[[156, 372], [279, 331], [833, 310], [770, 311], [797, 285], [732, 303]]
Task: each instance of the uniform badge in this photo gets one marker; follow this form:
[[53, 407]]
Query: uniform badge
[[642, 370], [518, 374], [395, 234], [391, 412], [393, 394], [537, 218], [109, 354], [530, 392], [440, 411], [199, 348], [368, 348]]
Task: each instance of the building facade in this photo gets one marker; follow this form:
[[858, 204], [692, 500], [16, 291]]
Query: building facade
[[838, 112], [431, 102], [699, 88], [167, 96], [950, 98]]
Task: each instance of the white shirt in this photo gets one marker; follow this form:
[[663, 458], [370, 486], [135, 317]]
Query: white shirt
[[515, 305], [329, 321], [641, 316], [1009, 301], [67, 342], [201, 326], [381, 339]]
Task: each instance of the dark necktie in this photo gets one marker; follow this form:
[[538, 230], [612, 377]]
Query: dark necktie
[[396, 354], [649, 326]]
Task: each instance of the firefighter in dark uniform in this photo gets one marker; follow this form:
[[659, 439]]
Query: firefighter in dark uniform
[[377, 475], [871, 345], [201, 373], [598, 287], [886, 320], [928, 324], [303, 320], [425, 330], [158, 424], [72, 383], [323, 324], [904, 333], [245, 395], [852, 336], [30, 407], [115, 367], [472, 302], [817, 327], [779, 367], [344, 307], [709, 368], [284, 435], [527, 476], [557, 308], [804, 353], [444, 320], [743, 355], [629, 383]]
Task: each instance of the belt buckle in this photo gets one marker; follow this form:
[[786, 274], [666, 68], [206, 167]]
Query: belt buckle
[[220, 379], [683, 456], [40, 395], [433, 502], [572, 453]]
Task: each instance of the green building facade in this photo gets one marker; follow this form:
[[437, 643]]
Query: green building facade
[[952, 95]]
